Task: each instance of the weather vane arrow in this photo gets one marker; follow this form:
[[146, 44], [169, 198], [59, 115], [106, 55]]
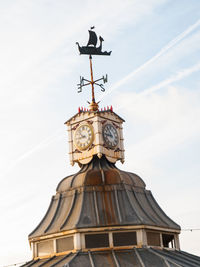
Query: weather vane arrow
[[91, 49]]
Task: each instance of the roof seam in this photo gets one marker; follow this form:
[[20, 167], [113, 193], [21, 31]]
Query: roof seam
[[117, 204], [139, 258], [131, 203], [91, 259], [61, 259], [102, 173], [55, 214], [184, 261], [75, 255], [115, 258], [183, 258], [194, 257], [81, 210], [138, 216], [154, 209], [96, 206], [162, 210], [43, 263], [162, 257], [30, 263], [144, 211], [70, 210], [43, 219]]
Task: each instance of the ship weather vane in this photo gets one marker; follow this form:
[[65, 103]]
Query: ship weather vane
[[92, 49]]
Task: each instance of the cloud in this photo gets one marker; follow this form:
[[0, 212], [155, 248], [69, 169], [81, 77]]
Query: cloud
[[169, 119]]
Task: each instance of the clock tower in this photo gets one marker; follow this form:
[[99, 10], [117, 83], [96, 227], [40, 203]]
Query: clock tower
[[94, 131], [101, 215]]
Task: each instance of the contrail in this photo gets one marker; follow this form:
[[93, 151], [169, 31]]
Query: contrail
[[50, 139], [42, 144], [171, 44], [177, 77]]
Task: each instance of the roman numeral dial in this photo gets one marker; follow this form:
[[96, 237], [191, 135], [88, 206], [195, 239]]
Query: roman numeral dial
[[83, 136], [110, 135]]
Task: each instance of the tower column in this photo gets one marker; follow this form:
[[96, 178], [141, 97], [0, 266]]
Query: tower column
[[77, 241]]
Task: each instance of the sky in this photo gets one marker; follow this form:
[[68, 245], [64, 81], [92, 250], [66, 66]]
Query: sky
[[153, 83]]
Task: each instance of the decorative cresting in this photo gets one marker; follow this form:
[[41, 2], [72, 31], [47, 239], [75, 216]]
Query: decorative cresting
[[101, 195]]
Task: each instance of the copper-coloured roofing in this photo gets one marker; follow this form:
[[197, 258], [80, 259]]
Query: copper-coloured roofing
[[137, 257], [101, 195]]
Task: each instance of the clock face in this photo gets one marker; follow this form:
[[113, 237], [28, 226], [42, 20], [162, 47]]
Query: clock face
[[110, 135], [83, 137]]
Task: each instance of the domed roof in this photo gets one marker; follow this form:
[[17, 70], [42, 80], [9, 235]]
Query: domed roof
[[101, 195], [99, 172], [136, 257]]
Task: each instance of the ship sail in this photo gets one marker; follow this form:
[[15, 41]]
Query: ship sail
[[92, 39]]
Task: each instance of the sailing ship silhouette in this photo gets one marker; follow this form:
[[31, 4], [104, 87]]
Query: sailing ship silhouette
[[90, 48]]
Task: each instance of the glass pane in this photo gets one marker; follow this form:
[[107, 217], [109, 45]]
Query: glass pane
[[153, 239], [96, 241], [64, 244], [45, 248], [124, 239]]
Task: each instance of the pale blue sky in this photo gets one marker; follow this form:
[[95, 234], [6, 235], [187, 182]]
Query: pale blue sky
[[153, 83]]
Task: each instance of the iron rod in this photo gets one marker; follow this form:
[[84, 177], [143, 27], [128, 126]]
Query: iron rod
[[92, 81]]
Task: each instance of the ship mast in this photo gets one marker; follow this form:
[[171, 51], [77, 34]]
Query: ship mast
[[93, 105]]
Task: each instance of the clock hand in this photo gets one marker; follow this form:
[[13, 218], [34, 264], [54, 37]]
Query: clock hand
[[80, 137], [110, 133], [83, 135], [107, 134]]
